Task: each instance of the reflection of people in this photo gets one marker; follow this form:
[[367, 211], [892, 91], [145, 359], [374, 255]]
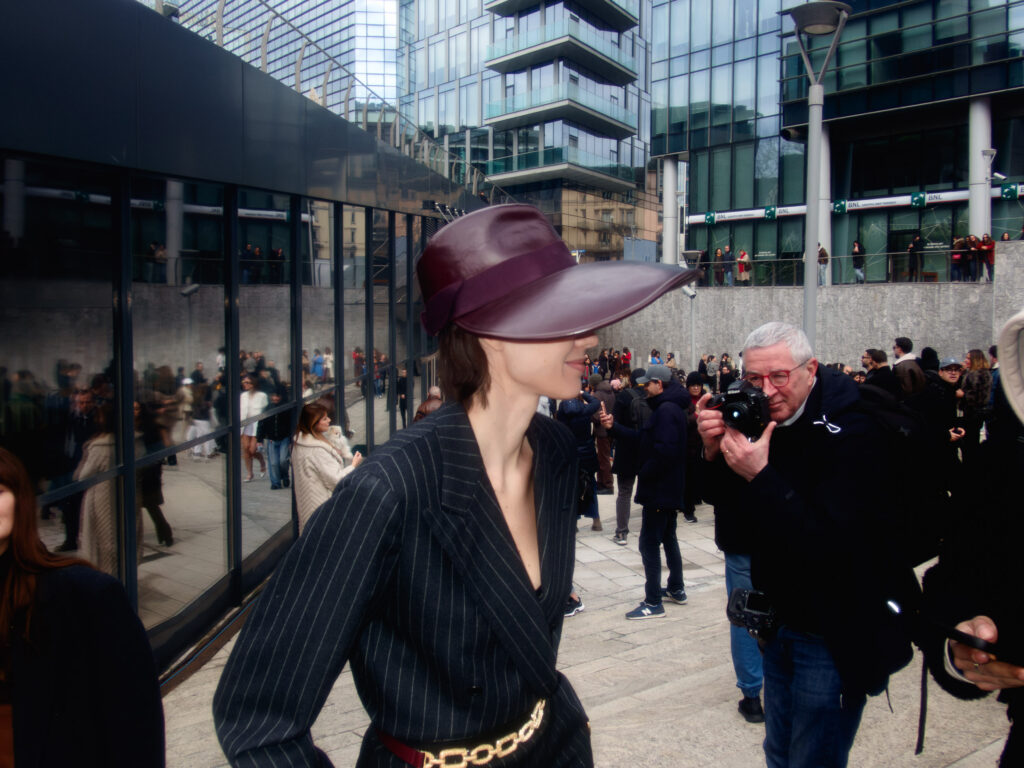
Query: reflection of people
[[253, 404], [150, 486], [99, 503], [858, 260], [976, 584], [78, 680], [275, 432], [318, 460], [442, 567], [431, 404]]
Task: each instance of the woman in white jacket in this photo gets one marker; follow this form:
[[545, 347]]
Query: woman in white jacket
[[319, 453]]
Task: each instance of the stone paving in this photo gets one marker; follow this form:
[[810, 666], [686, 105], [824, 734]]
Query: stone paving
[[659, 692]]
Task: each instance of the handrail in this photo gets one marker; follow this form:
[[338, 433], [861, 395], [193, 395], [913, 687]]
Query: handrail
[[935, 266], [539, 97], [549, 32]]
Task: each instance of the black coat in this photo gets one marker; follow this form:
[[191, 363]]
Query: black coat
[[409, 574], [661, 449], [813, 537], [577, 416], [84, 689]]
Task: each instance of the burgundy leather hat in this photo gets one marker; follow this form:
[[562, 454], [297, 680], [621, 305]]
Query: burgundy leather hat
[[503, 272]]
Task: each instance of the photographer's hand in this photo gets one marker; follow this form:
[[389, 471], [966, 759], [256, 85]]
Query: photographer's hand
[[746, 458], [710, 427]]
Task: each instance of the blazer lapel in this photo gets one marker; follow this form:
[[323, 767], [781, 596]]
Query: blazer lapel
[[472, 530]]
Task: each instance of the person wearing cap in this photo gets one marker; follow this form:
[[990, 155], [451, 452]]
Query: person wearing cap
[[937, 405], [975, 587], [440, 570], [661, 478]]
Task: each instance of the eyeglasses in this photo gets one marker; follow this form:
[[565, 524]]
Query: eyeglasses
[[779, 379]]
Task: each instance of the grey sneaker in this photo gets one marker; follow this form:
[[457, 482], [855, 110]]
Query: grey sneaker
[[647, 611], [620, 539], [678, 596]]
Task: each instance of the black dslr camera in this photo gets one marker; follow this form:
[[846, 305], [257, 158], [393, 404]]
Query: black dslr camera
[[751, 610], [744, 408]]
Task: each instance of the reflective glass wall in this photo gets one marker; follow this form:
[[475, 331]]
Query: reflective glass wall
[[159, 339]]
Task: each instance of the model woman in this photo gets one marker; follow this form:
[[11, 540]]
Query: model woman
[[253, 403], [441, 569], [319, 455], [77, 680]]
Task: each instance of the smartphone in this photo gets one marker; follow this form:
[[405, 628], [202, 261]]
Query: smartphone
[[982, 645]]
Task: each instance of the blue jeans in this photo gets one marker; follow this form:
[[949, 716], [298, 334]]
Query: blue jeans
[[277, 460], [659, 529], [746, 656], [809, 723]]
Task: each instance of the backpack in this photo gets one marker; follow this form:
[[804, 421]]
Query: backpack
[[639, 411], [917, 509]]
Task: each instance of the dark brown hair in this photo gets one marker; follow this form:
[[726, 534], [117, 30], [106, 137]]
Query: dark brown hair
[[29, 556], [310, 415], [462, 367]]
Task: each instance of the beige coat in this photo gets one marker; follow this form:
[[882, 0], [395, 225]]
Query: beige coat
[[99, 506], [317, 466]]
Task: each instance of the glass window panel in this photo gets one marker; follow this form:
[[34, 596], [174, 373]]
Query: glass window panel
[[264, 330], [722, 23], [917, 30], [768, 18], [721, 54], [680, 36], [357, 384], [743, 176], [382, 368], [766, 172], [746, 18], [659, 108], [721, 179], [792, 167], [679, 101], [744, 79], [767, 85], [58, 251], [721, 95], [700, 24], [659, 49], [767, 235], [746, 49], [318, 342], [699, 183]]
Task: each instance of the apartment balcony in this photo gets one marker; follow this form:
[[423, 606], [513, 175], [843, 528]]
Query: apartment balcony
[[619, 15], [561, 102], [568, 40], [560, 163]]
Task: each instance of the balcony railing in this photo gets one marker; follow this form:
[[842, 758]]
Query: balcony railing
[[550, 33], [619, 14], [558, 156], [543, 97]]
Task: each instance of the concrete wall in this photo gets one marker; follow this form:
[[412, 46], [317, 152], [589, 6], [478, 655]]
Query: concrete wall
[[951, 317]]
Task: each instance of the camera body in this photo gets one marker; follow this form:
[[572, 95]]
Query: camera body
[[751, 610], [744, 408]]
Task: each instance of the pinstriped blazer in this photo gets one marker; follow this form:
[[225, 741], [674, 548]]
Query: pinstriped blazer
[[410, 574]]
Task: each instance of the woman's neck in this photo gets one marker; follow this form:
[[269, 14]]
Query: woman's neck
[[500, 430]]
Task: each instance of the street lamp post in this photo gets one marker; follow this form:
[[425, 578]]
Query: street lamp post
[[819, 17]]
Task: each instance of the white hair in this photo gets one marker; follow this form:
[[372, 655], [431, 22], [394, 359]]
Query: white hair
[[770, 334]]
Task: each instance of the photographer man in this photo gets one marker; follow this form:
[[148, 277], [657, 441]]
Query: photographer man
[[795, 494]]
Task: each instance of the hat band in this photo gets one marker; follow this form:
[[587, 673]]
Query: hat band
[[464, 296]]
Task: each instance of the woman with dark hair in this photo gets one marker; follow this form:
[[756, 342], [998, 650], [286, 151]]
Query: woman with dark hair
[[441, 570], [77, 680], [319, 453], [977, 388], [857, 252], [150, 485]]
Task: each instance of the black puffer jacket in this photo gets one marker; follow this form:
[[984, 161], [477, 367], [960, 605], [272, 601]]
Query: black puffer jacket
[[661, 449]]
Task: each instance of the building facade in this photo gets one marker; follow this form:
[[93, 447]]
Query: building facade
[[915, 96], [551, 100]]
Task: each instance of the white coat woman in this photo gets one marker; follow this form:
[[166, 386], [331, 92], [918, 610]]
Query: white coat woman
[[319, 456]]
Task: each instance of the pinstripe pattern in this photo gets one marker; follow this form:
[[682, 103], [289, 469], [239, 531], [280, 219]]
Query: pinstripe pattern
[[410, 574]]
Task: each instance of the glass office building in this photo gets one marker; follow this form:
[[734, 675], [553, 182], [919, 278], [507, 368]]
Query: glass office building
[[187, 231], [549, 99], [910, 84]]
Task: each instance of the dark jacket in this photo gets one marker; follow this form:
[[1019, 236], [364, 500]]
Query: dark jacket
[[884, 378], [910, 376], [84, 689], [625, 463], [604, 394], [576, 415], [278, 427], [810, 531], [409, 575], [661, 449]]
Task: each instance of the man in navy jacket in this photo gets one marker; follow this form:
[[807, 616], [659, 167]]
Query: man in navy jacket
[[661, 478]]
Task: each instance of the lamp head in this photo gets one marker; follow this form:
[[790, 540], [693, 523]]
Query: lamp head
[[818, 17]]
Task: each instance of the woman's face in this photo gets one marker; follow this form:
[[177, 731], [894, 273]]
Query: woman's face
[[555, 370], [7, 505], [324, 424]]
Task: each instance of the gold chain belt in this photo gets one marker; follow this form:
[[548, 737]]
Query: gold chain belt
[[458, 757]]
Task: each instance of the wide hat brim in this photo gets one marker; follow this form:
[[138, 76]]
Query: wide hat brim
[[1011, 362], [573, 301]]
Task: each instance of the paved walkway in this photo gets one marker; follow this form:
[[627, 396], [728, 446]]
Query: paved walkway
[[659, 692]]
